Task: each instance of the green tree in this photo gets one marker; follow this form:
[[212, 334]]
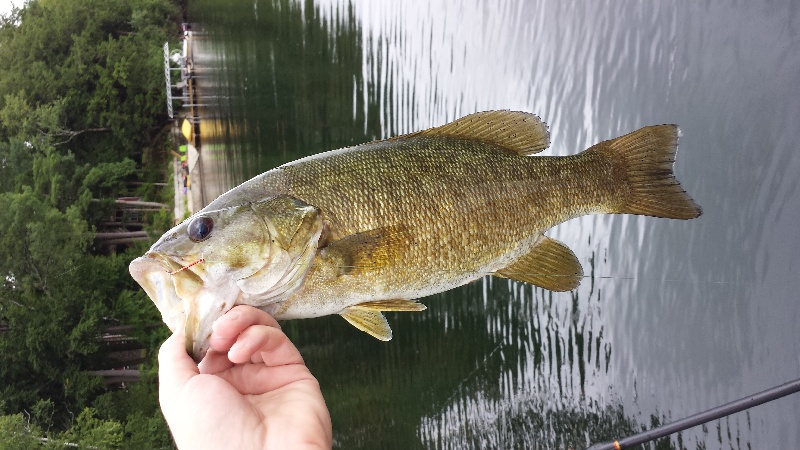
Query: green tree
[[81, 94], [16, 166], [90, 431], [17, 433], [51, 316], [87, 431], [22, 121], [39, 247], [86, 73]]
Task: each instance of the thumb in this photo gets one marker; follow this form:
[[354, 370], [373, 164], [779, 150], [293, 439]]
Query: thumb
[[175, 367]]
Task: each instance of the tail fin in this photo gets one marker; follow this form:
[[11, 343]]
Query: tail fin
[[644, 159]]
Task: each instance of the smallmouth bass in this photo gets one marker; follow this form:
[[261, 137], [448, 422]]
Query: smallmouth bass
[[371, 228]]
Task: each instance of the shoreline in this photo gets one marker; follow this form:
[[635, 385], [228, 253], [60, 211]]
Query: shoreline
[[186, 166], [204, 161], [185, 202]]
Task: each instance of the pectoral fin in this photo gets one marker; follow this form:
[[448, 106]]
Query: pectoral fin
[[550, 264], [368, 250], [369, 321]]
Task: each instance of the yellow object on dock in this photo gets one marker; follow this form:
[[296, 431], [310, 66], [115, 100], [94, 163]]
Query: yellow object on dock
[[186, 129]]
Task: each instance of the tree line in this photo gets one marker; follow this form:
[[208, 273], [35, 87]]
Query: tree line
[[82, 122]]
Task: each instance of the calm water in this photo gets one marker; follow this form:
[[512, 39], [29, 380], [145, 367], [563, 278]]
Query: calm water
[[677, 317]]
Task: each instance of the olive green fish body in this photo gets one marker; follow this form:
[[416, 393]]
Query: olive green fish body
[[371, 228], [448, 211]]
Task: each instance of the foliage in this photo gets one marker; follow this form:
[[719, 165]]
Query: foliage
[[88, 431], [136, 407], [81, 96], [16, 433], [52, 316], [86, 73]]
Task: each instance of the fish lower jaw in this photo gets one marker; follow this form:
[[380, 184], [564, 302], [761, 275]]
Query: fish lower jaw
[[159, 285]]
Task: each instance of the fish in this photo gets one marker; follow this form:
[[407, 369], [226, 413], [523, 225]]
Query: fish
[[373, 228]]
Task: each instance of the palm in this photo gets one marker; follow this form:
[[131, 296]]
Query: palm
[[268, 399]]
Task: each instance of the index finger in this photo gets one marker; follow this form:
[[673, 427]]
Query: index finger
[[229, 326]]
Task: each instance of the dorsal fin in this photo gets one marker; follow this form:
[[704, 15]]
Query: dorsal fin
[[519, 132]]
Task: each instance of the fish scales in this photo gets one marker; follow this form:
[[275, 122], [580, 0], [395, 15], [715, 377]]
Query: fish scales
[[373, 227], [469, 208]]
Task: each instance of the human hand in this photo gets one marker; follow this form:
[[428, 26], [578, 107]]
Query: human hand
[[251, 391]]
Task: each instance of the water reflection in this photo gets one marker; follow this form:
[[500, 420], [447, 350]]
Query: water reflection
[[288, 81], [676, 318], [532, 387]]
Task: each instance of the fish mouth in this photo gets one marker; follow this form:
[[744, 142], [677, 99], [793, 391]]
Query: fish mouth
[[152, 272], [180, 292], [162, 278]]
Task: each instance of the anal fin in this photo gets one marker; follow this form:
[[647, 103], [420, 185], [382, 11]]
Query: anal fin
[[550, 265]]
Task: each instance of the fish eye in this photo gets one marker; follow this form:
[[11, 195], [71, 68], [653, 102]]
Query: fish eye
[[200, 228]]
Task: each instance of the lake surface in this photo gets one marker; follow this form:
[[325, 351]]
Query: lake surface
[[676, 316]]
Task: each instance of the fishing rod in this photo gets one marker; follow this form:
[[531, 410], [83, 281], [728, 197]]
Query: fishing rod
[[703, 417]]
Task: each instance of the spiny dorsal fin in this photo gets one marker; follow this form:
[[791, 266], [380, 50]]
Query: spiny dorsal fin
[[550, 264], [519, 132], [369, 321]]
